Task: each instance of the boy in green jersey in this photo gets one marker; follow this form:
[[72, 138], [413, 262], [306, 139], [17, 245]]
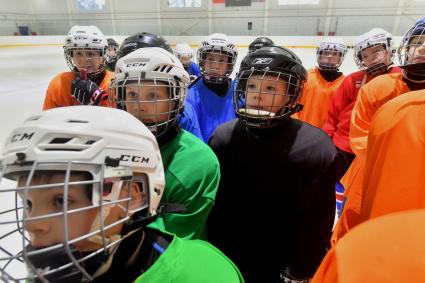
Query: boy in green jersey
[[151, 84]]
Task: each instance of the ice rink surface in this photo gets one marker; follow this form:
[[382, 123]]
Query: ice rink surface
[[25, 73]]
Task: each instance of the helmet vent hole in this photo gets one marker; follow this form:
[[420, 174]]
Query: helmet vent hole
[[60, 140], [77, 121]]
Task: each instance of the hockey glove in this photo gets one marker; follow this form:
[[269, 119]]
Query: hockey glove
[[87, 92]]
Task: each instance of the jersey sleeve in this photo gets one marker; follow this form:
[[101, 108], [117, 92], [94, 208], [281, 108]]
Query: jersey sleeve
[[189, 121], [363, 111], [53, 95]]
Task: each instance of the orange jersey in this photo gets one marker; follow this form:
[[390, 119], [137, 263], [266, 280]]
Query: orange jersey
[[371, 96], [316, 98], [385, 249], [58, 93], [395, 165]]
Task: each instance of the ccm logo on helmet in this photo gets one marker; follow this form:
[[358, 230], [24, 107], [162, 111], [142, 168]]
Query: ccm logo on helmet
[[262, 60], [137, 64], [21, 137], [134, 158], [79, 37]]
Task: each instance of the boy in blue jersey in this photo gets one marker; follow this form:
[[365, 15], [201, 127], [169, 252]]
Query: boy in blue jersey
[[210, 96], [185, 53]]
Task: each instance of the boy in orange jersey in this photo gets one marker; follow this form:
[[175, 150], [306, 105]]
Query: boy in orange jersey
[[371, 97], [386, 249], [373, 54], [322, 82], [85, 48]]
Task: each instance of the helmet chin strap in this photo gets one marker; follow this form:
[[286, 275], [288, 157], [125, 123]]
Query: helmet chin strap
[[415, 73]]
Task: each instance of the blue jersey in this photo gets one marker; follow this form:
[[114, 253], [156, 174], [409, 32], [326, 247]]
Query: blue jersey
[[193, 69], [211, 110]]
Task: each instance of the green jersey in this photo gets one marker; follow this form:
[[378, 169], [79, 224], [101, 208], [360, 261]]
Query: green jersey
[[192, 175], [191, 261]]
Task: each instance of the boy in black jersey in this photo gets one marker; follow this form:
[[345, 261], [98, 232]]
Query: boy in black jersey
[[275, 204]]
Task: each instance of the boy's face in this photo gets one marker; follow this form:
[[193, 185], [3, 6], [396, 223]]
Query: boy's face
[[416, 53], [267, 93], [185, 60], [91, 60], [149, 103], [112, 51], [216, 64], [374, 55], [329, 57], [43, 202]]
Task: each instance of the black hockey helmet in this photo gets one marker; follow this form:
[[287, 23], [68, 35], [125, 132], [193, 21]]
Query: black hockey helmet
[[112, 42], [260, 42], [141, 40], [272, 64]]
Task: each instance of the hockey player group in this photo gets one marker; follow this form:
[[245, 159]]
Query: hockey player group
[[146, 167]]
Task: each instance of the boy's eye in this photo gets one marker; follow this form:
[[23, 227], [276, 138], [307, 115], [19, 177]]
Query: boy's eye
[[132, 95], [59, 201], [271, 89], [251, 86]]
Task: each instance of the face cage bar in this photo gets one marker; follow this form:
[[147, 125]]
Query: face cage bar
[[23, 255], [69, 61], [118, 97], [202, 59], [257, 118], [378, 68], [326, 66], [409, 42]]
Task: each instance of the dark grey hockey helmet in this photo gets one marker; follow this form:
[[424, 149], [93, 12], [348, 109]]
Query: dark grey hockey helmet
[[260, 42], [142, 40], [268, 86], [410, 52]]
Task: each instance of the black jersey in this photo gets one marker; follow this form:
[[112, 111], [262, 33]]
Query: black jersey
[[275, 205]]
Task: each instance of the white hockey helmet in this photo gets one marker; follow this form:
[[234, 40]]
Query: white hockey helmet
[[334, 45], [183, 50], [372, 38], [85, 37], [217, 43], [151, 67], [109, 145]]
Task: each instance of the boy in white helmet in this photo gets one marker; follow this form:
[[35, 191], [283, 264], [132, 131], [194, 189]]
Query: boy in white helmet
[[85, 49], [373, 54], [322, 82], [185, 53], [90, 180], [151, 84], [211, 95]]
